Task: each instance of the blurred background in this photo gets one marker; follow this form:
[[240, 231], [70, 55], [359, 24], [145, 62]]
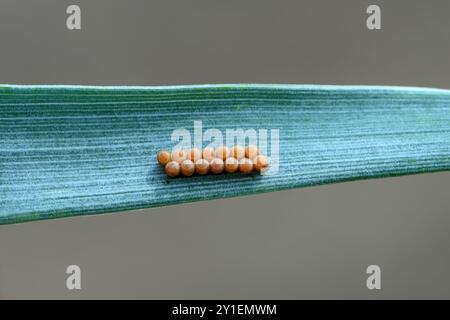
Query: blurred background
[[298, 244]]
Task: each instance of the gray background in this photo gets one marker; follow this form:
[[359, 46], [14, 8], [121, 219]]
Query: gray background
[[305, 243]]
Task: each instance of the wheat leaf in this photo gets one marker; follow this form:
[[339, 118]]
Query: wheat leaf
[[77, 150]]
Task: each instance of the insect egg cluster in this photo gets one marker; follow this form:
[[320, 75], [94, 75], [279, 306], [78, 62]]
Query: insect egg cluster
[[212, 160]]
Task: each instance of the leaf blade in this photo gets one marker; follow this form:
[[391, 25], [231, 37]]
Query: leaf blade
[[73, 150]]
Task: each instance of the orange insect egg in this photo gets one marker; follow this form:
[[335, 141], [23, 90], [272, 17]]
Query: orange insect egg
[[238, 152], [245, 165], [260, 162], [179, 155], [251, 151], [163, 157], [216, 165], [222, 152], [209, 154], [202, 166], [231, 165], [194, 154], [187, 168], [172, 169]]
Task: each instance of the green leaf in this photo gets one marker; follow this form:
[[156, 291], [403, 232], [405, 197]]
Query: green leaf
[[76, 150]]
